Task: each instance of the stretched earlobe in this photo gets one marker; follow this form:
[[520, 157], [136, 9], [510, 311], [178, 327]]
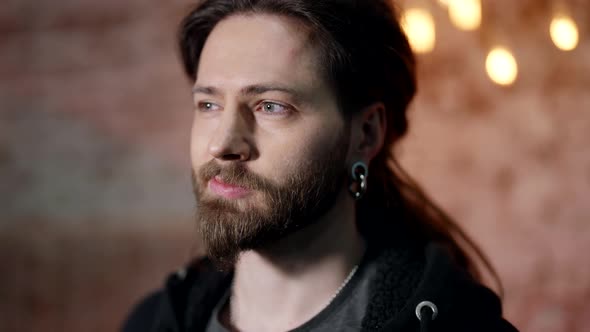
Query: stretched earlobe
[[359, 174]]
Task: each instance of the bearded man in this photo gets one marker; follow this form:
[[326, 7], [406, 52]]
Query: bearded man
[[308, 221]]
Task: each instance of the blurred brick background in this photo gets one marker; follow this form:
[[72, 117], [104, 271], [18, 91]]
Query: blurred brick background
[[95, 198]]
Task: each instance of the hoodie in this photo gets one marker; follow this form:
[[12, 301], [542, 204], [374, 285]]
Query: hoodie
[[415, 289]]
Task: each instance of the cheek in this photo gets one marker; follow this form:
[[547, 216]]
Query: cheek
[[320, 137], [199, 143], [297, 147]]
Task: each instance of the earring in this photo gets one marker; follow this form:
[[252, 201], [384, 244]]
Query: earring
[[358, 187]]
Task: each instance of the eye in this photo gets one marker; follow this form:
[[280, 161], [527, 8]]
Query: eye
[[207, 106], [269, 107]]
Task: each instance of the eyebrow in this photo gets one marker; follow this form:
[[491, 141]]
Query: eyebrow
[[255, 89]]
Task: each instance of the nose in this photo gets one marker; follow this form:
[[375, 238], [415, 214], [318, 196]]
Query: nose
[[232, 140]]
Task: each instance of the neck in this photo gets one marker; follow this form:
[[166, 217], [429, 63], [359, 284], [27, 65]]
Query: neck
[[286, 284]]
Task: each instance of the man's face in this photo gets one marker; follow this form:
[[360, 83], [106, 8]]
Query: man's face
[[269, 144]]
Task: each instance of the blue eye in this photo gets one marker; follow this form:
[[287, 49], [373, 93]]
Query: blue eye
[[207, 107], [274, 108]]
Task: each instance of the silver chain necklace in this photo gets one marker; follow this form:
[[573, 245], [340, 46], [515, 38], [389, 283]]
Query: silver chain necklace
[[344, 283]]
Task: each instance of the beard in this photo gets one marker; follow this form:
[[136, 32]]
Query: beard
[[229, 227]]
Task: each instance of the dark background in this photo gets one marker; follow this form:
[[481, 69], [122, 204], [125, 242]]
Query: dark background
[[95, 197]]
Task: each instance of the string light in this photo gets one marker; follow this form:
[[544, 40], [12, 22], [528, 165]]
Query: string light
[[418, 24], [501, 66], [465, 14], [564, 32]]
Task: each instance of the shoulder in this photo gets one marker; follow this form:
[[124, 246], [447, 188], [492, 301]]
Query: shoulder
[[462, 303], [442, 296], [186, 299], [142, 316]]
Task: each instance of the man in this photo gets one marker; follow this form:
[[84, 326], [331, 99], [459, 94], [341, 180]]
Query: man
[[308, 222]]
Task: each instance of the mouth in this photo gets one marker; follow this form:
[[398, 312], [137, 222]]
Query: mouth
[[226, 190]]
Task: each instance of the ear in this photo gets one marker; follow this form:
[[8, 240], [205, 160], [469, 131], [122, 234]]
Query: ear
[[371, 125]]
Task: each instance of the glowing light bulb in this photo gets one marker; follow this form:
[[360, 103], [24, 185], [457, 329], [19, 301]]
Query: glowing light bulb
[[501, 66], [465, 14], [564, 33], [418, 25]]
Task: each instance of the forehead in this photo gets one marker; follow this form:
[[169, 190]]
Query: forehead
[[254, 48]]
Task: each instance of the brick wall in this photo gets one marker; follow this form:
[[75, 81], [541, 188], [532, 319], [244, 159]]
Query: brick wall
[[94, 177]]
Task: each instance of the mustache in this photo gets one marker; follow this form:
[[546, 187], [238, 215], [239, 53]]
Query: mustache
[[235, 174]]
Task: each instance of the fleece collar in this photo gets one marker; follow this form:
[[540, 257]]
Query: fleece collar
[[405, 278]]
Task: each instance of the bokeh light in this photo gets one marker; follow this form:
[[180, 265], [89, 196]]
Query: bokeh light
[[465, 14], [564, 32], [418, 25], [501, 66]]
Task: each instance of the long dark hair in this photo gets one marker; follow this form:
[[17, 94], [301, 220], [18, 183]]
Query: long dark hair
[[368, 59]]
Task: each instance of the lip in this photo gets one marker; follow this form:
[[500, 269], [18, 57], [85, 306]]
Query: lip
[[227, 190]]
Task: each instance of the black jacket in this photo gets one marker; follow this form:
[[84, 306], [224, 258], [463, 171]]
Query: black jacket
[[406, 278]]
